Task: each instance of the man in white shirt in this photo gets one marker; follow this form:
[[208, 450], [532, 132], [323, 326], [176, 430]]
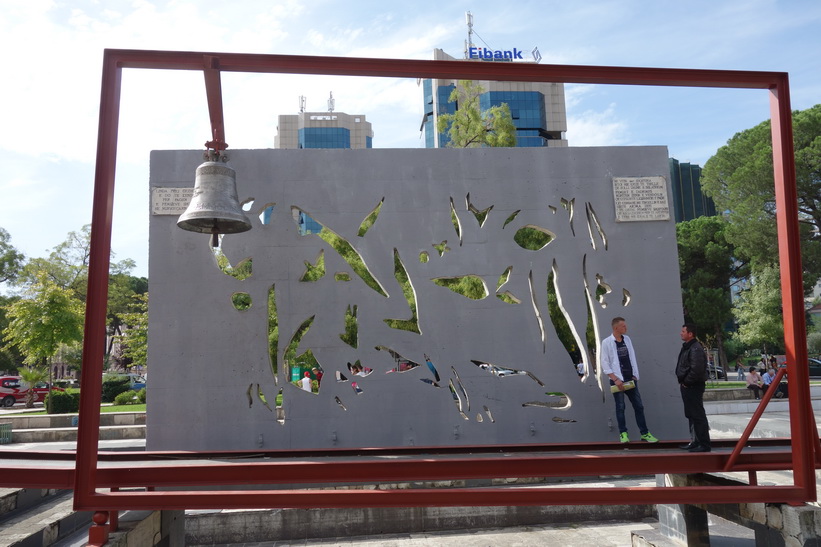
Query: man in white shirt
[[618, 362]]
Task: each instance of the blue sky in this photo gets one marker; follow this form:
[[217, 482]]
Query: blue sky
[[53, 55]]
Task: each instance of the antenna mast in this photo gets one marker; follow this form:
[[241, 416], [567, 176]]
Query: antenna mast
[[469, 43], [331, 102], [301, 104]]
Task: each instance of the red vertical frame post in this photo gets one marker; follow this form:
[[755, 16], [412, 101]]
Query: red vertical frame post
[[792, 286], [88, 429]]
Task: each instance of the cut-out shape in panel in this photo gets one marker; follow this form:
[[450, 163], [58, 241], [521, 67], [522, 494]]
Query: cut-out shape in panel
[[552, 208], [602, 290], [351, 334], [592, 332], [457, 400], [502, 372], [314, 272], [481, 216], [454, 218], [357, 369], [273, 332], [304, 222], [432, 367], [489, 414], [565, 330], [341, 377], [342, 276], [461, 387], [429, 381], [469, 286], [536, 311], [533, 238], [349, 254], [569, 206], [479, 417], [339, 402], [511, 217], [555, 399], [560, 420], [441, 248], [356, 388], [507, 297], [370, 219], [280, 408], [241, 271], [248, 395], [401, 363], [401, 275], [247, 204], [593, 223], [262, 398], [266, 213], [241, 301], [424, 257], [625, 297]]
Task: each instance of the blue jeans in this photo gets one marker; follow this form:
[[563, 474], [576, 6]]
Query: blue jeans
[[638, 408]]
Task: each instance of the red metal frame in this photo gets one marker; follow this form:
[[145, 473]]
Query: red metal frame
[[88, 477]]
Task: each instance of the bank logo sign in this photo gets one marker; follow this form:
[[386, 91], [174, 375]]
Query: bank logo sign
[[484, 53]]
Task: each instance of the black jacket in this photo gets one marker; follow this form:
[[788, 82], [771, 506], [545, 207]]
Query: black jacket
[[692, 364]]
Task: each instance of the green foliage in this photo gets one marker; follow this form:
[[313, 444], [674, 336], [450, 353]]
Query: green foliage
[[349, 254], [401, 275], [470, 286], [758, 311], [273, 331], [351, 334], [126, 398], [532, 238], [469, 126], [314, 272], [707, 268], [560, 323], [141, 396], [134, 341], [370, 219], [44, 319], [10, 356], [63, 402], [11, 260], [814, 342], [739, 178], [113, 386], [33, 375]]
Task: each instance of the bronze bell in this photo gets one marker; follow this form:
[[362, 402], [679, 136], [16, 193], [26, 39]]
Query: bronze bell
[[214, 207]]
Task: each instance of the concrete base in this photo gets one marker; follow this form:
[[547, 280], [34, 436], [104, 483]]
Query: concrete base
[[299, 524]]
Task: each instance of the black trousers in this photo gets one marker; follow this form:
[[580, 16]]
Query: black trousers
[[693, 399]]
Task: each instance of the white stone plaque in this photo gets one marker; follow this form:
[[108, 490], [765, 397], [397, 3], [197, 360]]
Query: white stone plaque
[[170, 201], [640, 199]]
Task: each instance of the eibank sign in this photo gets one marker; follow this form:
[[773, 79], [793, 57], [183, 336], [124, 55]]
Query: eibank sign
[[484, 53]]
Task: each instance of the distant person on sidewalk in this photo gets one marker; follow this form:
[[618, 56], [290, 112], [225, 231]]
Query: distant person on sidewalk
[[691, 372], [618, 362], [767, 379], [739, 369], [754, 382]]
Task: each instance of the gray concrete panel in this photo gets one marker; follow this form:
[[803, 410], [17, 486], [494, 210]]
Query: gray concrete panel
[[204, 354]]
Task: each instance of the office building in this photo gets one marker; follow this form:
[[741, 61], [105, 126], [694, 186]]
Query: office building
[[323, 130], [537, 108], [688, 200]]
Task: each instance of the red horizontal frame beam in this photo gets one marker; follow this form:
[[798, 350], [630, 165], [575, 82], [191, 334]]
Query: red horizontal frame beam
[[802, 424]]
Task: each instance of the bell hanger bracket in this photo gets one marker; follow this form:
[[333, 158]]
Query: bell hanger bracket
[[213, 91]]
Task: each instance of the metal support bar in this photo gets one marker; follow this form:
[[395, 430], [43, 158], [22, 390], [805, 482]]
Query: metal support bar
[[213, 92], [803, 454], [759, 411]]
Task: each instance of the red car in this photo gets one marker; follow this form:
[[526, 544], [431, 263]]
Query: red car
[[11, 391]]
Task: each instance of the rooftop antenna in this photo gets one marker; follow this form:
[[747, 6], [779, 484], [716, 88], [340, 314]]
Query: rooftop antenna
[[331, 102], [301, 104], [469, 43]]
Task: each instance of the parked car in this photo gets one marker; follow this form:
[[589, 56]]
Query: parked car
[[12, 391], [716, 372], [814, 366]]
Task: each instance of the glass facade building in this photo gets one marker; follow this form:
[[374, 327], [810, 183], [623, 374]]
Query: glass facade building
[[537, 108], [688, 200]]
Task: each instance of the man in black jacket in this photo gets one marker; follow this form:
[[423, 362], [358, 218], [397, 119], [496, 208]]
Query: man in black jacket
[[691, 371]]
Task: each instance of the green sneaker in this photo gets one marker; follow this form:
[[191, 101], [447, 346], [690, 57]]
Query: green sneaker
[[624, 438], [649, 438]]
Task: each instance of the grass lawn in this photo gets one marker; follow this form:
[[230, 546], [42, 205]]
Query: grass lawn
[[104, 409]]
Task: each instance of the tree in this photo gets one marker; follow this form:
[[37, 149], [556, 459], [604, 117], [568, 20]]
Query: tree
[[33, 376], [10, 356], [758, 312], [707, 268], [11, 260], [739, 178], [134, 341], [470, 126], [46, 317]]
